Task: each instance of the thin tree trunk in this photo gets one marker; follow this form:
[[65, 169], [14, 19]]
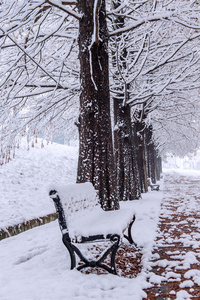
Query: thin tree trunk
[[151, 159], [125, 159], [96, 163], [138, 130], [158, 166]]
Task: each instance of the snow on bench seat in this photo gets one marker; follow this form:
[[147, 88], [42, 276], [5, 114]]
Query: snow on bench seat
[[84, 215]]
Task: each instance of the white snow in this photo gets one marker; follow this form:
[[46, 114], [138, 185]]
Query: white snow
[[192, 273], [156, 279], [186, 284], [172, 275], [36, 265], [183, 295], [24, 181]]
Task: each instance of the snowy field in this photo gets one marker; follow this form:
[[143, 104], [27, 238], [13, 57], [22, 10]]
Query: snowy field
[[24, 181], [35, 264]]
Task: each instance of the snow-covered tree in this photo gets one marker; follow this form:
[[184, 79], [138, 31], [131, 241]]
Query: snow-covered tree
[[46, 46], [162, 60], [39, 79], [176, 124]]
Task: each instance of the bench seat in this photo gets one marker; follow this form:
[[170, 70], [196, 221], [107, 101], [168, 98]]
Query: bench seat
[[100, 222]]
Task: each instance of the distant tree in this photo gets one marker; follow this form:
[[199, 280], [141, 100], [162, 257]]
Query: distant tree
[[162, 60], [176, 124]]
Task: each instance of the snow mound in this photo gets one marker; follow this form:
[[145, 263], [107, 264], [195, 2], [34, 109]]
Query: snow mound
[[24, 181]]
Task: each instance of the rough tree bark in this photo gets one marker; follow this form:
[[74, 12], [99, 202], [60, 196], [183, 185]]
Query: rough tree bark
[[96, 162]]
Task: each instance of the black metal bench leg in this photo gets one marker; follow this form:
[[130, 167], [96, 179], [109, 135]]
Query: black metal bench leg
[[67, 243], [92, 263], [113, 254], [129, 237], [113, 250]]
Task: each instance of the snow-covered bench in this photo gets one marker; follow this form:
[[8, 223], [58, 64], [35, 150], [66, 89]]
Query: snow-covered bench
[[154, 187], [82, 220]]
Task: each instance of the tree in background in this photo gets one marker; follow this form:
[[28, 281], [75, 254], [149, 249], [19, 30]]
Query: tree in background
[[127, 175], [175, 124], [162, 59]]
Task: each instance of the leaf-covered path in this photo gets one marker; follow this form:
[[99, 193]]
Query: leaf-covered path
[[175, 272]]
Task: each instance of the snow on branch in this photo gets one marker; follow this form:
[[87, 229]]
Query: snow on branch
[[31, 58], [140, 22], [61, 6], [39, 70]]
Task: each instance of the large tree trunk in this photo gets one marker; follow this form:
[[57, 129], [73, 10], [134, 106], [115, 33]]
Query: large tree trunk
[[96, 162], [125, 158]]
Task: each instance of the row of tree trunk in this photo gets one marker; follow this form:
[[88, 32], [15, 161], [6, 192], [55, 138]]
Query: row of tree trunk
[[136, 157]]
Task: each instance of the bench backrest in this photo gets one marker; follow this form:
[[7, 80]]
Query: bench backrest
[[149, 181], [79, 198]]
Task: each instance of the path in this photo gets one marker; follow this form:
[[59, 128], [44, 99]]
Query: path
[[175, 272]]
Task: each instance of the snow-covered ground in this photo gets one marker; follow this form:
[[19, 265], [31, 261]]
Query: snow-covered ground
[[35, 264], [24, 181], [176, 258]]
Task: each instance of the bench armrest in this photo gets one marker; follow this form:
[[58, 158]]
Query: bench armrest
[[60, 212]]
